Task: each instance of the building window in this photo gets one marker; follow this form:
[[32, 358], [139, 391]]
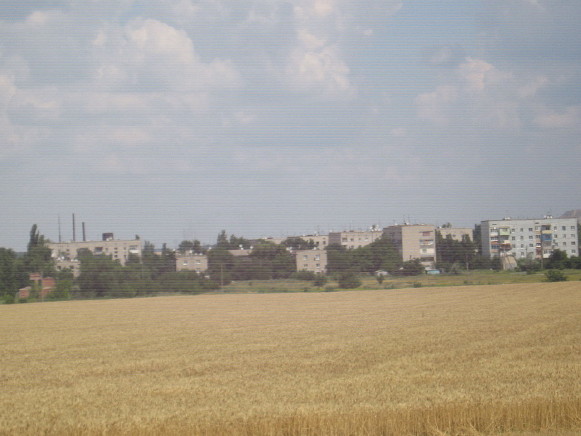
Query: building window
[[563, 228]]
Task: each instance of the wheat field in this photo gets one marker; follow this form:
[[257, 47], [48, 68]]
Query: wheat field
[[428, 361]]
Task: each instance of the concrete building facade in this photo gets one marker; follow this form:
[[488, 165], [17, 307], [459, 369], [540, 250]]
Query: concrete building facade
[[320, 241], [192, 262], [66, 252], [311, 260], [354, 238], [529, 238], [414, 241]]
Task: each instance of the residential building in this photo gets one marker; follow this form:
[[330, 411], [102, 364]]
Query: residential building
[[529, 238], [273, 240], [414, 241], [319, 241], [240, 252], [457, 233], [311, 260], [355, 238], [66, 252], [192, 262]]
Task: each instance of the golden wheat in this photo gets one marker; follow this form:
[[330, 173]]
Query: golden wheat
[[461, 360]]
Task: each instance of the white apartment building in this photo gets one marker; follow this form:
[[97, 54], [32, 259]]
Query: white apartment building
[[530, 238]]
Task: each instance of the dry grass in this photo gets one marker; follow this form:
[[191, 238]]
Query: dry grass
[[462, 360]]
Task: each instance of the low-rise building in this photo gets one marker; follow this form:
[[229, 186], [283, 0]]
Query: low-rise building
[[414, 241], [40, 287], [529, 238], [311, 260], [192, 262]]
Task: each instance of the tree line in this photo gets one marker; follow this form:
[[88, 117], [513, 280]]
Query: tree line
[[153, 274]]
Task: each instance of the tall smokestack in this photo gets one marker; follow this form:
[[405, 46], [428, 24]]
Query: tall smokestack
[[60, 238], [84, 234], [74, 229]]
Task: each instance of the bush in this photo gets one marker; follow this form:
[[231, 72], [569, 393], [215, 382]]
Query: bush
[[319, 280], [307, 276], [349, 280], [8, 299], [554, 275]]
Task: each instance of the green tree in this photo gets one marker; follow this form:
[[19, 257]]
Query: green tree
[[38, 255], [220, 265], [297, 243], [100, 275], [557, 260], [194, 246], [9, 280], [276, 257], [338, 258]]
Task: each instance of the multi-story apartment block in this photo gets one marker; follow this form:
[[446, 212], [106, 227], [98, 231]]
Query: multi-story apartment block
[[311, 260], [192, 262], [65, 253], [319, 241], [414, 241], [530, 238], [355, 239], [457, 233]]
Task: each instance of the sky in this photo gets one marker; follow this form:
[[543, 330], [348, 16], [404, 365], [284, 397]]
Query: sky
[[175, 119]]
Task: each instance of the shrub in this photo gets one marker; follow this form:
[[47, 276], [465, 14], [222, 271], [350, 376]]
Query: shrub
[[554, 275], [319, 280], [349, 280]]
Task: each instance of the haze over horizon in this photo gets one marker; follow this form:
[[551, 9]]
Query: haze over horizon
[[175, 119]]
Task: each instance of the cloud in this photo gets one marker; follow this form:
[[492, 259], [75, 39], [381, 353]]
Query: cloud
[[571, 117], [315, 65], [148, 55], [479, 94]]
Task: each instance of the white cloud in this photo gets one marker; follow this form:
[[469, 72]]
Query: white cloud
[[151, 55], [481, 95], [478, 74], [317, 66], [553, 120]]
